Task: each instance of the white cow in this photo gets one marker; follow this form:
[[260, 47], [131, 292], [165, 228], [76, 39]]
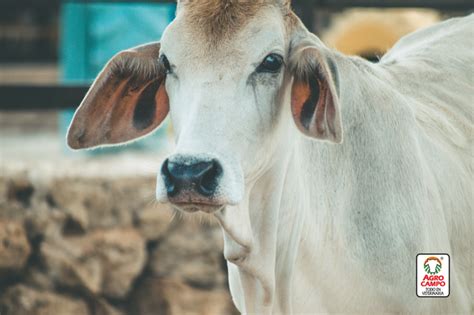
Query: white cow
[[310, 226]]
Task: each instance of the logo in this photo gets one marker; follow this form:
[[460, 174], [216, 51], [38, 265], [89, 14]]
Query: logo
[[432, 275]]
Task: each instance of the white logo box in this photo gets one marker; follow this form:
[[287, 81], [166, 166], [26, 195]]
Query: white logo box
[[432, 275]]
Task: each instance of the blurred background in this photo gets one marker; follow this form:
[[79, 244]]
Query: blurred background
[[80, 232]]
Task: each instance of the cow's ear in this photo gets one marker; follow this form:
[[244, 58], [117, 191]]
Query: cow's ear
[[127, 100], [314, 95]]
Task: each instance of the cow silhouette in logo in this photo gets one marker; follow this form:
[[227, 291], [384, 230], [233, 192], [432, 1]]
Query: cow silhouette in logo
[[432, 265]]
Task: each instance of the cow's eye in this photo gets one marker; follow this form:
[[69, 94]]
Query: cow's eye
[[272, 63], [165, 62]]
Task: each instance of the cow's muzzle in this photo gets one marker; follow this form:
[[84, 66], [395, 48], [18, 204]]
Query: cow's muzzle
[[191, 183]]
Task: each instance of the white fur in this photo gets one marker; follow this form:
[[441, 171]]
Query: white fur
[[321, 227]]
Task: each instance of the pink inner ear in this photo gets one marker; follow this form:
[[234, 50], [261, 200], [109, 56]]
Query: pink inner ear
[[106, 115], [320, 119], [331, 115]]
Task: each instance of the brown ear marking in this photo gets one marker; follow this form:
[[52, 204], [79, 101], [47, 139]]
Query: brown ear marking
[[127, 100]]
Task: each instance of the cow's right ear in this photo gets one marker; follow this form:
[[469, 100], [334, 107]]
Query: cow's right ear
[[128, 100], [314, 95]]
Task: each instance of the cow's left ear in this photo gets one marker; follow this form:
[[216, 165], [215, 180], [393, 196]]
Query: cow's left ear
[[314, 95]]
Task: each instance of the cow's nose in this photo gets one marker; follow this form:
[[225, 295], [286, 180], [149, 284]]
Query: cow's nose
[[191, 175]]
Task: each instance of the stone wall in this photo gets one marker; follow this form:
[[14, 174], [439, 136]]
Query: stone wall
[[85, 242]]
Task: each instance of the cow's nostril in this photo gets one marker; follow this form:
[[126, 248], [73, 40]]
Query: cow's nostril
[[168, 179], [209, 180]]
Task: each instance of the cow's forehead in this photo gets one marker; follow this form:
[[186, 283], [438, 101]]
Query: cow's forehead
[[219, 19], [266, 30]]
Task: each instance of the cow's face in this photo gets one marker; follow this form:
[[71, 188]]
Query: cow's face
[[224, 104], [226, 82]]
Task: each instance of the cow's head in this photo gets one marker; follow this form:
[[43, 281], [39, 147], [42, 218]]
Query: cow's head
[[226, 72]]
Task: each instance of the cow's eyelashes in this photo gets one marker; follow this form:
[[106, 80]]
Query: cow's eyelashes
[[165, 62], [270, 64]]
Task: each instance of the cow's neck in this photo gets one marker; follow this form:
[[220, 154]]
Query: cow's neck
[[251, 237], [286, 215]]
